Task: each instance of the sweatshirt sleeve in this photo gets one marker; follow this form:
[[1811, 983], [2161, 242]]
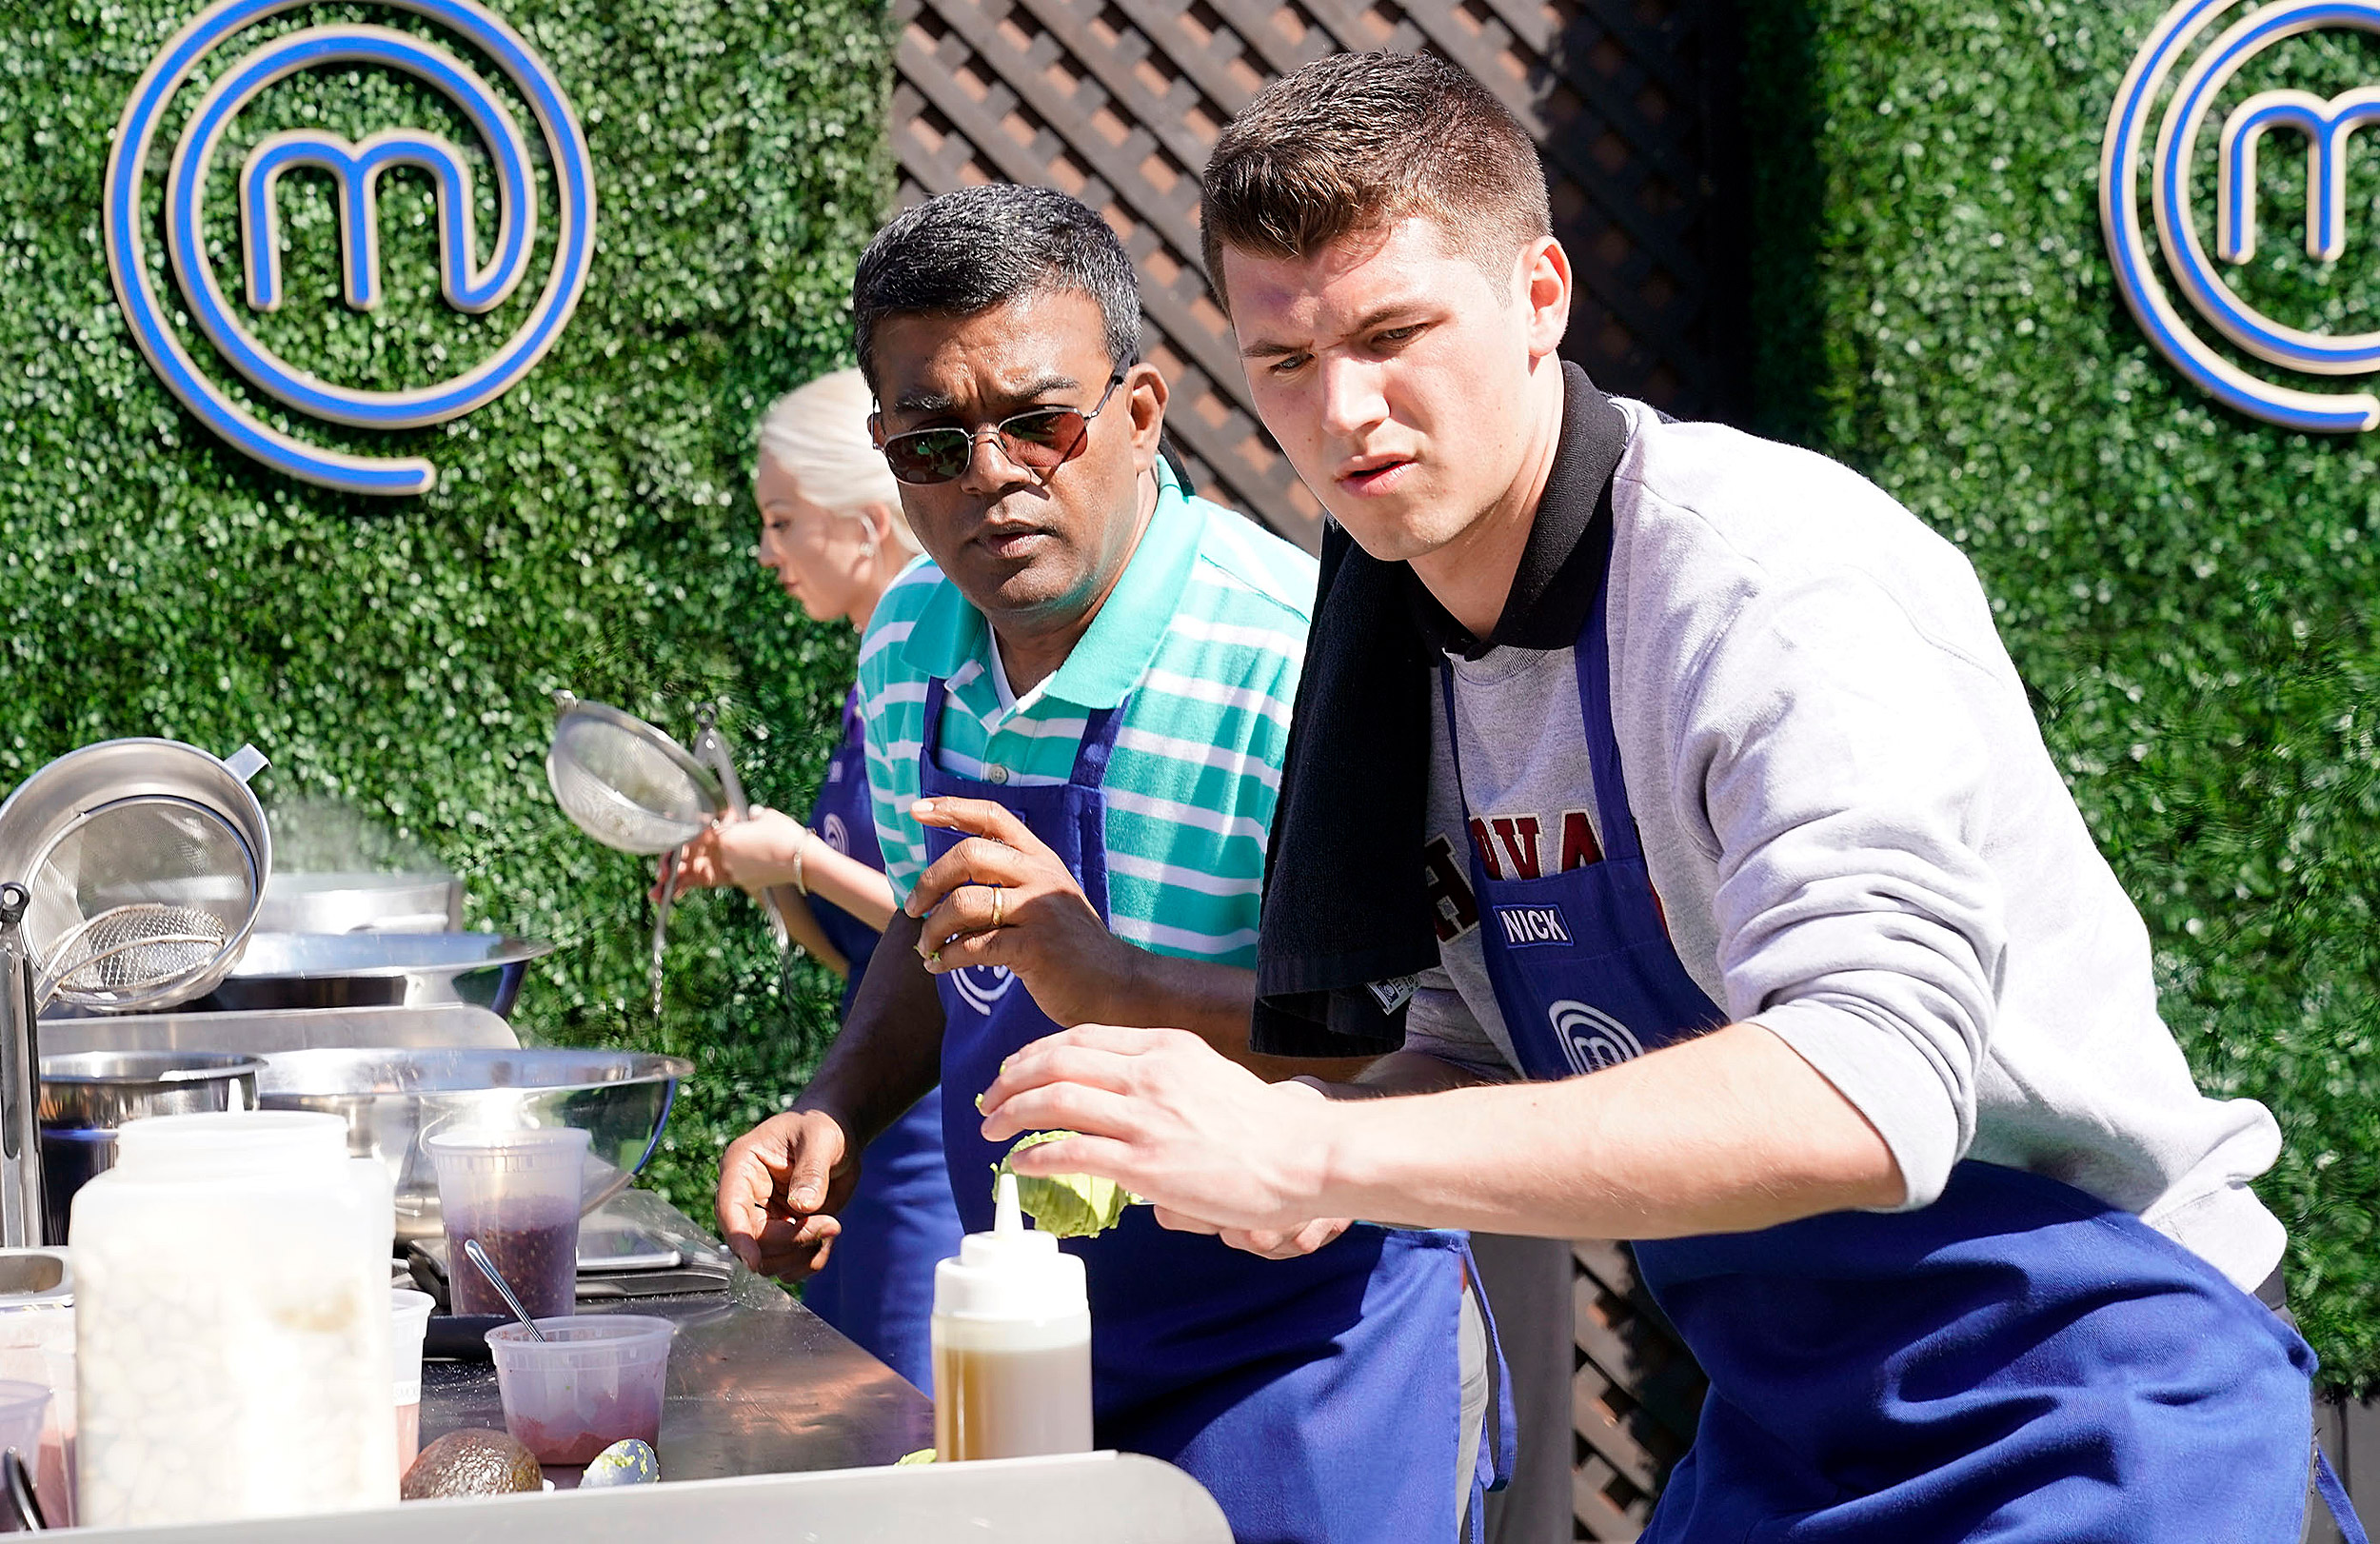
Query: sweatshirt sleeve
[[1837, 756], [1438, 1024]]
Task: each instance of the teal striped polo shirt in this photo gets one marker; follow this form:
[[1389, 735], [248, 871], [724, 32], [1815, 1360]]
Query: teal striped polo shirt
[[1201, 641]]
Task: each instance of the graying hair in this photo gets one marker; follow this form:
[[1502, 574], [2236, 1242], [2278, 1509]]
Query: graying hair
[[977, 247]]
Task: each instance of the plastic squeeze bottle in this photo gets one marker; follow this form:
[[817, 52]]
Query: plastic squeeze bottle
[[1012, 1343]]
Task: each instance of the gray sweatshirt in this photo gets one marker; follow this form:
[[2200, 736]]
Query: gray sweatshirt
[[1856, 835]]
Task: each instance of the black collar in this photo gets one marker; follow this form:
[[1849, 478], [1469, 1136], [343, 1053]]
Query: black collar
[[1561, 564]]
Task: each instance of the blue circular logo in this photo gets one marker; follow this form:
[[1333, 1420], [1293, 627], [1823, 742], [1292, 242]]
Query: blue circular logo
[[1592, 1039], [2323, 125], [355, 167], [980, 987]]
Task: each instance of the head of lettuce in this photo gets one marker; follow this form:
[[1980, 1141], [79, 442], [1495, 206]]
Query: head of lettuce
[[1069, 1205]]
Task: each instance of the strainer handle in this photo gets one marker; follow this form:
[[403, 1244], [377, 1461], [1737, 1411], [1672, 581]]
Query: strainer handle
[[246, 762], [710, 748]]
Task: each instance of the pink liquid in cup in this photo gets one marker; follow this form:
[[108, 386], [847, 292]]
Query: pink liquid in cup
[[409, 1436], [596, 1380]]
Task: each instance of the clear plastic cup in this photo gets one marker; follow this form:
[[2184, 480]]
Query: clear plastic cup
[[594, 1380], [409, 1325], [37, 1346], [517, 1193], [23, 1406]]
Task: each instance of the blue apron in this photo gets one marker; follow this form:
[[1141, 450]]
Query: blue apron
[[878, 1286], [2017, 1361], [1319, 1399]]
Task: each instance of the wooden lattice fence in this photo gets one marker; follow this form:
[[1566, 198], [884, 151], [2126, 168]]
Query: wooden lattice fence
[[1118, 102]]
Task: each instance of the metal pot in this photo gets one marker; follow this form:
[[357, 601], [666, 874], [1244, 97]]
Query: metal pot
[[369, 970], [361, 902], [85, 1099]]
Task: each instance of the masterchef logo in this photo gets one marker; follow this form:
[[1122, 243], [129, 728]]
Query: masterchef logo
[[228, 57], [980, 987], [2228, 345], [837, 834], [1590, 1039]]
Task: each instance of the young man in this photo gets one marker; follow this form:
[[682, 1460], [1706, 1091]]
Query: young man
[[1076, 713], [1684, 777]]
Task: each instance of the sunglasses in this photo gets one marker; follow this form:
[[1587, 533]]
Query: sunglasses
[[1038, 442]]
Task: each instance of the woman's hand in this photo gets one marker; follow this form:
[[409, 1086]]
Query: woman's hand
[[750, 854]]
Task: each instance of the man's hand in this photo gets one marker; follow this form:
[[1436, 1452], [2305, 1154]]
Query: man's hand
[[1002, 898], [1163, 1113], [780, 1185]]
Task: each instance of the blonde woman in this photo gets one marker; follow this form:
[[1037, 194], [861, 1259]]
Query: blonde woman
[[833, 533]]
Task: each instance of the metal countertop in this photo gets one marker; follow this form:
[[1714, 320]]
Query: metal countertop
[[757, 1384]]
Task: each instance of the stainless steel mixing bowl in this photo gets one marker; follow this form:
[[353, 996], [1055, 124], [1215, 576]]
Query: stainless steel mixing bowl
[[85, 1098], [107, 1088], [370, 970], [391, 1098]]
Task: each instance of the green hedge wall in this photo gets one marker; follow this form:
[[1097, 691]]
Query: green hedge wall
[[2190, 594], [592, 530]]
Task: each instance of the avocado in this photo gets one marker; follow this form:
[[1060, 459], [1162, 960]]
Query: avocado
[[474, 1461]]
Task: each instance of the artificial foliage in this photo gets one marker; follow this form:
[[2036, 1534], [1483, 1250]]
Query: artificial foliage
[[592, 530], [2189, 594]]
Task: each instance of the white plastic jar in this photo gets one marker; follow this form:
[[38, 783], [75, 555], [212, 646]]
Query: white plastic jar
[[233, 1323]]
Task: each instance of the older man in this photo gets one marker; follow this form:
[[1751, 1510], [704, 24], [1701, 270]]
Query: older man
[[1076, 714]]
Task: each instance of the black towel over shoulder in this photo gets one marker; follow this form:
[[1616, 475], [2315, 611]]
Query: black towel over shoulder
[[1346, 897]]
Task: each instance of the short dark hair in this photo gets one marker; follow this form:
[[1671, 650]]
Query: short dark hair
[[977, 247], [1351, 143]]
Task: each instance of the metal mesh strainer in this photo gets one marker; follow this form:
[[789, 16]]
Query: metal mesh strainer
[[627, 784], [135, 897], [135, 949], [143, 862]]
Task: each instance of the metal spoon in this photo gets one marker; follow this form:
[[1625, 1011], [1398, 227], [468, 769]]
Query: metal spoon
[[29, 1516], [503, 1288]]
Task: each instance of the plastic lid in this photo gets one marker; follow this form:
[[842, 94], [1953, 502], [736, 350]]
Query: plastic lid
[[230, 1142], [1010, 1273], [485, 1150]]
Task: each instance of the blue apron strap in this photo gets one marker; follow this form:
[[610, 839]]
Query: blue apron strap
[[930, 741], [2334, 1496], [1593, 675], [1453, 740], [1493, 1469], [1594, 709], [1099, 727], [1502, 1451]]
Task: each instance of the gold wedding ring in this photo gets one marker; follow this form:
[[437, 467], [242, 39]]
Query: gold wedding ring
[[997, 893]]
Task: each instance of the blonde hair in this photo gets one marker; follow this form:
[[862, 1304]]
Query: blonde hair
[[819, 434]]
